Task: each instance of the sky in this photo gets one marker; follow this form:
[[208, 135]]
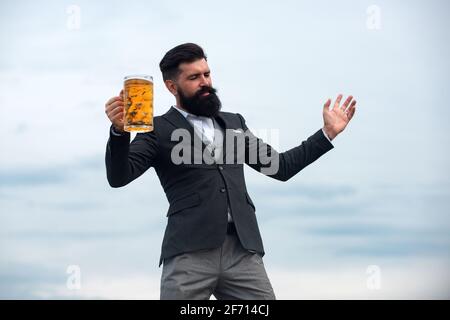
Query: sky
[[368, 220]]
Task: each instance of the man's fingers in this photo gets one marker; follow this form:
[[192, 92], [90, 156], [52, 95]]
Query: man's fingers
[[114, 105], [117, 114], [347, 101], [327, 104], [351, 111], [350, 106], [118, 103], [338, 101], [113, 99], [115, 111], [117, 118]]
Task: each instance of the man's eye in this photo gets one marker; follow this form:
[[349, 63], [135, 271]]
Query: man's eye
[[207, 75]]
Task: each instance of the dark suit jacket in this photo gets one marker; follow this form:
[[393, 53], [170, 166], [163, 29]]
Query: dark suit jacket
[[199, 194]]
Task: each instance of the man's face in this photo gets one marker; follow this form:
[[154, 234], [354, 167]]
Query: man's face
[[193, 76], [194, 88]]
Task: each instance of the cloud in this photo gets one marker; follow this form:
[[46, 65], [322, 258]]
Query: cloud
[[31, 178], [397, 248], [50, 175], [414, 280], [17, 281]]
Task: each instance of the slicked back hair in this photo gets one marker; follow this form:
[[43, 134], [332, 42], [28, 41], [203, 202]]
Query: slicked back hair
[[183, 53]]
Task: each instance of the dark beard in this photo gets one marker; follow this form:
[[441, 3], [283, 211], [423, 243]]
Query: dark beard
[[208, 106]]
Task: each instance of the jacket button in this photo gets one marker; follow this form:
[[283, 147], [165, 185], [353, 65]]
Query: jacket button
[[220, 167], [222, 190]]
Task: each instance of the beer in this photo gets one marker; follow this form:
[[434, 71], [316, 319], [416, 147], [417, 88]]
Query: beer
[[138, 100]]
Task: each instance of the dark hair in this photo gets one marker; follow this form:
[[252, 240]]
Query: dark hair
[[187, 52]]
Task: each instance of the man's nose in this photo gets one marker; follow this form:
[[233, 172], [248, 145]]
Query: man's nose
[[204, 82]]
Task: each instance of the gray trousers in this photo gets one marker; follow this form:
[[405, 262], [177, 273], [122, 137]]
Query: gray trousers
[[228, 272]]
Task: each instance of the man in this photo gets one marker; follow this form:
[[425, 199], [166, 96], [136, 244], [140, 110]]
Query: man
[[212, 244]]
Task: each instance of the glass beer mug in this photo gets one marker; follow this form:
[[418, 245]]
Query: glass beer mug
[[138, 103]]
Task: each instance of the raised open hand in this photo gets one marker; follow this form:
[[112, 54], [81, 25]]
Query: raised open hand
[[336, 119]]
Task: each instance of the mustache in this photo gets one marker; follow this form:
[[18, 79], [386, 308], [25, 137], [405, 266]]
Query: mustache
[[205, 89]]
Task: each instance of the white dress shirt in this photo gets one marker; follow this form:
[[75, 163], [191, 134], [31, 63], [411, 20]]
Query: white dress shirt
[[204, 125]]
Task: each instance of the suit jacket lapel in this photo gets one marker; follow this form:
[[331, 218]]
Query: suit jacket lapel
[[221, 119], [179, 121]]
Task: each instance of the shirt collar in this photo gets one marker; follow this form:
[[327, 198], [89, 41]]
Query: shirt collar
[[187, 114], [184, 113]]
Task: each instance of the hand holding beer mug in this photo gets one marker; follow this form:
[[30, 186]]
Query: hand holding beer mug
[[133, 109]]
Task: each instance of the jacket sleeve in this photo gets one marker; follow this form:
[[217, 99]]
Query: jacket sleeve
[[126, 161], [283, 166]]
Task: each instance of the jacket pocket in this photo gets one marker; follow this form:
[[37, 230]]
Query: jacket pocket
[[250, 202], [188, 201]]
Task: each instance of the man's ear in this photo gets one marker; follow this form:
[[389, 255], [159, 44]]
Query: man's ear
[[171, 86]]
